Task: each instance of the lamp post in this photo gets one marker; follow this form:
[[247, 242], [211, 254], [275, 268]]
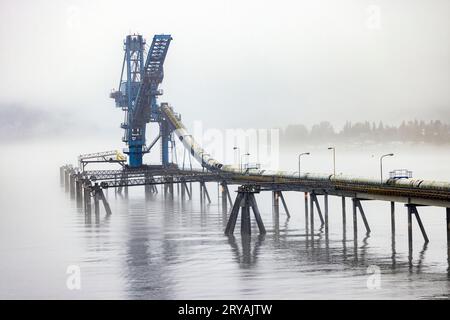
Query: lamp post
[[334, 159], [239, 157], [381, 164], [245, 154], [299, 156]]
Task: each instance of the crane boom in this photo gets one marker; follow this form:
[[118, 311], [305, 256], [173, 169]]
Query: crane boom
[[138, 92]]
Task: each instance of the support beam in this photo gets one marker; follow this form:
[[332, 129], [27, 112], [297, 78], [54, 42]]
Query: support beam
[[262, 229], [447, 211], [284, 204], [96, 200], [170, 186], [78, 191], [183, 191], [306, 213], [410, 235], [66, 180], [344, 217], [275, 203], [105, 203], [319, 211], [311, 210], [325, 203], [419, 221], [205, 190], [87, 199], [72, 185], [228, 195], [223, 193], [363, 215], [246, 228], [393, 218], [187, 190], [358, 207], [355, 220], [229, 230], [148, 187], [244, 201]]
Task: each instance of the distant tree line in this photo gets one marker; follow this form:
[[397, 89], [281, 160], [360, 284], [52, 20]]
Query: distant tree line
[[435, 132]]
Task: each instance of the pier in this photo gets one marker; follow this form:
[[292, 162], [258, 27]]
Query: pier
[[138, 95]]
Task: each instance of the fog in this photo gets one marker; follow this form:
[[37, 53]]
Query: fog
[[233, 63]]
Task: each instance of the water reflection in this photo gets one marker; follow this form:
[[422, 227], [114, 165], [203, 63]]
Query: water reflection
[[153, 245], [394, 253], [248, 256]]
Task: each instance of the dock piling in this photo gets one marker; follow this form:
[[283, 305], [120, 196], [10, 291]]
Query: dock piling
[[306, 213], [325, 202], [344, 218], [393, 218], [315, 201], [245, 200]]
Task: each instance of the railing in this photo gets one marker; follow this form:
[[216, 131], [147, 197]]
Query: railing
[[400, 173], [248, 166]]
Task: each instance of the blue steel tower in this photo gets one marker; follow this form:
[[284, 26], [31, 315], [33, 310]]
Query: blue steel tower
[[137, 95]]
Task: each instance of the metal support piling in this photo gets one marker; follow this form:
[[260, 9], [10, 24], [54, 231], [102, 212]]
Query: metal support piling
[[419, 222], [72, 185], [319, 211], [410, 235], [311, 211], [105, 202], [284, 204], [245, 217], [447, 210], [275, 203], [78, 190], [344, 218], [325, 202], [66, 180], [393, 218], [358, 207], [223, 192], [355, 220], [306, 213], [96, 200], [87, 198], [229, 230], [245, 200], [205, 191]]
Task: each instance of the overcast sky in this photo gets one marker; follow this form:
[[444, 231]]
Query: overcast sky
[[262, 63]]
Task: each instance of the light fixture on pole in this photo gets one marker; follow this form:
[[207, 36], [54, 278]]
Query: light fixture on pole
[[246, 154], [334, 159], [299, 156], [381, 164]]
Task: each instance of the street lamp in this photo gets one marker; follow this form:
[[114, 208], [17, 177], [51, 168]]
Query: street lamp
[[334, 159], [239, 157], [246, 154], [299, 156], [381, 164]]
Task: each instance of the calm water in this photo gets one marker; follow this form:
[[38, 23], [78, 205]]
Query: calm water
[[174, 249]]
